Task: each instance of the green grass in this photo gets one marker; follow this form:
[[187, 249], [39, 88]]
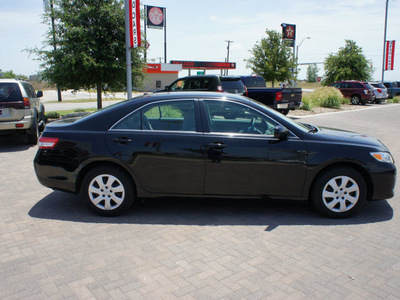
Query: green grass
[[86, 100], [59, 113]]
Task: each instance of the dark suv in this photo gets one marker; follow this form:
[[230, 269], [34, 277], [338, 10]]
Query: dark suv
[[357, 91], [214, 83], [20, 109]]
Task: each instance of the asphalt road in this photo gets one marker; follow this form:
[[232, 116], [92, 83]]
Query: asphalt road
[[52, 246]]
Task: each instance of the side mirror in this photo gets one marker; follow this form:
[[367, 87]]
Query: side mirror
[[281, 133], [39, 94], [167, 87]]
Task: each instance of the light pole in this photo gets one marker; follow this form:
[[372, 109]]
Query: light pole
[[227, 55], [384, 41], [297, 51]]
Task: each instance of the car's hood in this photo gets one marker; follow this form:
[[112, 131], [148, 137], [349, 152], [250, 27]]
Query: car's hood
[[347, 137]]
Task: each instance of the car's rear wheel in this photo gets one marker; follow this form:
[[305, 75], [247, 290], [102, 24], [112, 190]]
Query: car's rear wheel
[[33, 132], [355, 100], [107, 190], [339, 192]]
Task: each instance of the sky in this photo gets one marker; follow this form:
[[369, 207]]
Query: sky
[[197, 30]]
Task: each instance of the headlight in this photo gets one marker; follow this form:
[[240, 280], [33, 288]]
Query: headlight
[[383, 157]]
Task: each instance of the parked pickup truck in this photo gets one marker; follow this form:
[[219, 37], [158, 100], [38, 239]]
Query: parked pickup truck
[[280, 99], [392, 89]]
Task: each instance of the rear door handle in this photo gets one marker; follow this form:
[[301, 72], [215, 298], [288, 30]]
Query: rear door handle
[[217, 146], [122, 140]]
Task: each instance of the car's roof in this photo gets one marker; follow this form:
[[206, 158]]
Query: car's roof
[[9, 80], [211, 76], [191, 95]]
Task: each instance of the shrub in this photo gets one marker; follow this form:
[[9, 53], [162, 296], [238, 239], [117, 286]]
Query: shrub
[[329, 97], [394, 100], [307, 103], [52, 115]]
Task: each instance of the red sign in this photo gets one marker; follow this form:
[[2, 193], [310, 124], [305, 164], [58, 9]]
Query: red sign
[[319, 79], [288, 31], [134, 23], [389, 61], [155, 17], [209, 65]]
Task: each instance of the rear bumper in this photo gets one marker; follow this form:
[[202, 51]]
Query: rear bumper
[[289, 105], [23, 124]]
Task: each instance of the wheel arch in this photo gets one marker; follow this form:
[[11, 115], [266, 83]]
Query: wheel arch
[[94, 164], [353, 165]]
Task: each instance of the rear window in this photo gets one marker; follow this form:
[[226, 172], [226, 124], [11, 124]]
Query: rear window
[[233, 86], [10, 92], [254, 82], [378, 85], [368, 86]]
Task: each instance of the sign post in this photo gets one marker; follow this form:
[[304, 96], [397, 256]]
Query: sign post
[[132, 38], [156, 18]]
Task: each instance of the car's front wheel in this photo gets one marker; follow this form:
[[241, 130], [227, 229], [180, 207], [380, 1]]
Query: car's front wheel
[[107, 190], [339, 192]]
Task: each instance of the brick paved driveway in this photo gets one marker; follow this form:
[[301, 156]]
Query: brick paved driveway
[[51, 246]]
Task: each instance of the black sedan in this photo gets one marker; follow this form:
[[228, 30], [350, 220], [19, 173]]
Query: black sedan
[[210, 144]]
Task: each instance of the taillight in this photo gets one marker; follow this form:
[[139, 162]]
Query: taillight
[[27, 104], [246, 92], [379, 90], [279, 96], [47, 142], [219, 89]]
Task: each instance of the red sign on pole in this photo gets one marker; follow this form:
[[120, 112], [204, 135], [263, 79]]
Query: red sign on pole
[[389, 61], [134, 24]]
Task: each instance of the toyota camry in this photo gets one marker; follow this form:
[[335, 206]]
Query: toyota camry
[[210, 145]]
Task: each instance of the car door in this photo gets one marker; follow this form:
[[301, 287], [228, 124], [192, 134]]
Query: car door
[[162, 144], [244, 157], [347, 89]]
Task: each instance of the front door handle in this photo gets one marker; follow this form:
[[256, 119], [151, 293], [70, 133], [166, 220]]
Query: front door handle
[[122, 140]]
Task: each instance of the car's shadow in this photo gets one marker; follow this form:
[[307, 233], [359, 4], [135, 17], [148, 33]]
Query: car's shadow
[[206, 212], [13, 143]]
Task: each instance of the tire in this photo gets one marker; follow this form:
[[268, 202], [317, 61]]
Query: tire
[[285, 111], [355, 100], [339, 192], [33, 132], [108, 191]]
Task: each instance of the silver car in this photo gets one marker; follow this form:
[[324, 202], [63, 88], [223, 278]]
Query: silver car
[[380, 91], [20, 109]]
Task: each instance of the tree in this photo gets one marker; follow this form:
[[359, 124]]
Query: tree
[[90, 46], [348, 64], [11, 74], [312, 73], [272, 59]]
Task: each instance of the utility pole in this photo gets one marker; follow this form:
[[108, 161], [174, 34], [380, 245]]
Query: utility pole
[[384, 42], [227, 55], [53, 29]]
